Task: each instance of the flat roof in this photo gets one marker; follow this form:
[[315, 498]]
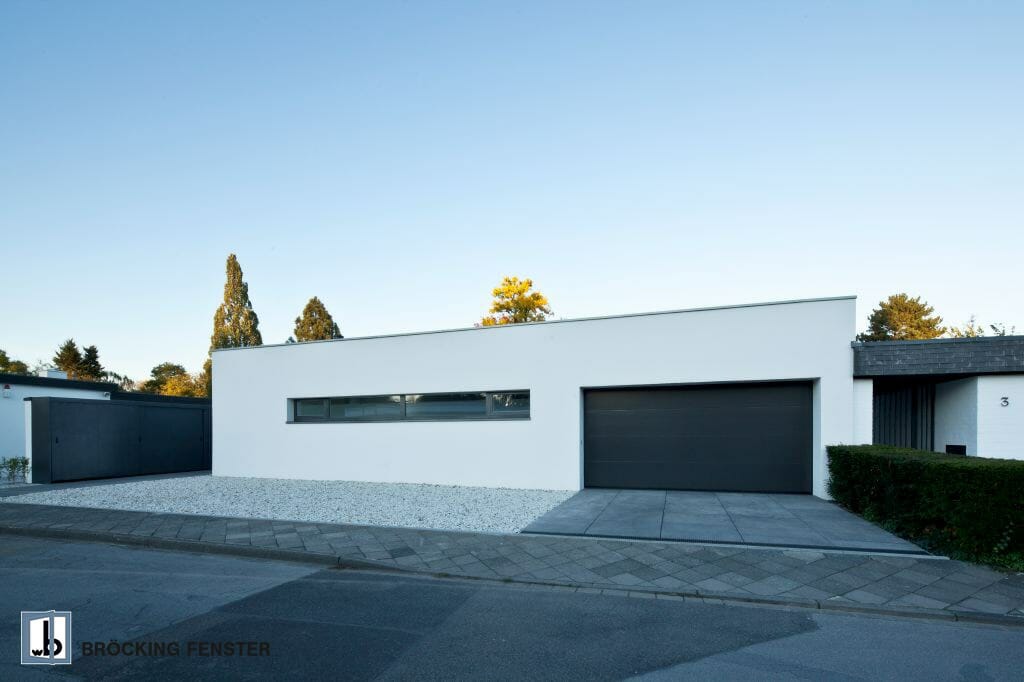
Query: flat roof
[[939, 357], [32, 380], [575, 319]]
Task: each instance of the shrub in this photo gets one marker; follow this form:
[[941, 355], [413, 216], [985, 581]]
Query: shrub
[[968, 506], [10, 468]]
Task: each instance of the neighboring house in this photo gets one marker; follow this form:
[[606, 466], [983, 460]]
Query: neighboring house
[[735, 398], [14, 388], [962, 396], [74, 430]]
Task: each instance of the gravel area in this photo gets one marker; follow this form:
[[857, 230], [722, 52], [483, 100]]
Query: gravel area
[[492, 510]]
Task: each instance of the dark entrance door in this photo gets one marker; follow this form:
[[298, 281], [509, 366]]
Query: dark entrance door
[[741, 437]]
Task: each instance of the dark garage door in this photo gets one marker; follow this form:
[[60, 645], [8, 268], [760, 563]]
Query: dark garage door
[[741, 437]]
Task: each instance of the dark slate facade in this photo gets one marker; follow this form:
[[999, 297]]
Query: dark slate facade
[[939, 357]]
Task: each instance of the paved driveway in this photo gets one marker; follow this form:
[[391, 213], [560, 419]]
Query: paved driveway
[[743, 518]]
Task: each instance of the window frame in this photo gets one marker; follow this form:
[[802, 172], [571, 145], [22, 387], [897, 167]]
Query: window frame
[[490, 414]]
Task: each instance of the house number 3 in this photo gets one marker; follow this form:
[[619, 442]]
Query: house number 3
[[1004, 401]]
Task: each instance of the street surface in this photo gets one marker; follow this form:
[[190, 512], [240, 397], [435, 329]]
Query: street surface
[[325, 623]]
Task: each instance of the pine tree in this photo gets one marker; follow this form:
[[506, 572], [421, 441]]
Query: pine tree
[[69, 358], [235, 324], [90, 367], [515, 303], [316, 324], [901, 318]]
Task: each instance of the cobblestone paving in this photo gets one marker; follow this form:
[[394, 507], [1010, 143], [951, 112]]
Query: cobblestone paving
[[799, 576]]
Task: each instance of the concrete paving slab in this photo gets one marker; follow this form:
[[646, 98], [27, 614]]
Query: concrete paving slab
[[630, 513], [746, 518]]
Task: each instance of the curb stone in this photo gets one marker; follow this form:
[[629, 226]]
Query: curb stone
[[330, 560], [245, 551]]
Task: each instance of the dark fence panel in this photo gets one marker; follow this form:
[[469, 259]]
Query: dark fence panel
[[904, 414], [74, 439]]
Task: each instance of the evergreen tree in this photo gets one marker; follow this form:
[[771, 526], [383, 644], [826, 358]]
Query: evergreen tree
[[235, 324], [901, 318], [90, 368], [68, 358], [515, 303], [316, 324]]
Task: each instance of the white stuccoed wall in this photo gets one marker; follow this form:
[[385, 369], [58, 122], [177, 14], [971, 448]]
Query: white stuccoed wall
[[956, 414], [1001, 427], [863, 411], [251, 437]]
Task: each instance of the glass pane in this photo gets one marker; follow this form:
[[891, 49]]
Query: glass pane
[[446, 405], [367, 407], [311, 408], [511, 403]]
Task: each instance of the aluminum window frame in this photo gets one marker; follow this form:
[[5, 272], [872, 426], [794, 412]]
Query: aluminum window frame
[[490, 414]]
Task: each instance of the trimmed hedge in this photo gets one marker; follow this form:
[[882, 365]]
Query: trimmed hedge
[[971, 506]]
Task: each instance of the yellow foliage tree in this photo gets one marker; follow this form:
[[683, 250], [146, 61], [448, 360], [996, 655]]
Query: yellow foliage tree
[[186, 385], [515, 303]]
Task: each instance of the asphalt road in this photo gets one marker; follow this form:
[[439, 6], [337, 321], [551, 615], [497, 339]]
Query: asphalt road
[[360, 625]]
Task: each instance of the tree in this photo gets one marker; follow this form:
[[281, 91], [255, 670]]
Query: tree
[[515, 303], [235, 324], [160, 375], [123, 382], [11, 366], [316, 324], [901, 318], [185, 385], [169, 378], [69, 358], [41, 367], [90, 368], [972, 329]]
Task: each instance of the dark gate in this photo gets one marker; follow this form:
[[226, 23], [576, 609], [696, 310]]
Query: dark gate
[[74, 439], [738, 437]]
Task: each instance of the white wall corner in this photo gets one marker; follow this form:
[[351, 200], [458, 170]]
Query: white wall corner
[[1000, 416], [863, 411], [28, 437], [956, 414]]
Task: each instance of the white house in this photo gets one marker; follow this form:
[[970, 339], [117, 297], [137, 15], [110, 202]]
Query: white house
[[734, 398], [729, 398]]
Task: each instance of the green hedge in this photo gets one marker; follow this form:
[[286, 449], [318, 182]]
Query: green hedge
[[970, 506]]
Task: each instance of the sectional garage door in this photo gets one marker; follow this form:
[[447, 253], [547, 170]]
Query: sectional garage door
[[739, 437]]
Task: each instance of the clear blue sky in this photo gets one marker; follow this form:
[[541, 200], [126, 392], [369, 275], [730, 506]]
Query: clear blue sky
[[397, 158]]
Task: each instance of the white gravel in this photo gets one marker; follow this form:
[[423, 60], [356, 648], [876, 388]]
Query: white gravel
[[493, 510]]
